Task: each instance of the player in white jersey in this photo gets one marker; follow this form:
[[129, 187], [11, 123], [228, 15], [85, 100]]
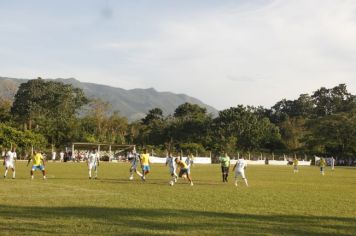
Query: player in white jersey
[[172, 168], [134, 159], [9, 162], [93, 163], [239, 168], [189, 161], [54, 154], [61, 156]]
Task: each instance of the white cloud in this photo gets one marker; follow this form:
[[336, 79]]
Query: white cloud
[[283, 48], [256, 53]]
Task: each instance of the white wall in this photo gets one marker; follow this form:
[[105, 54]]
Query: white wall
[[272, 162], [197, 160]]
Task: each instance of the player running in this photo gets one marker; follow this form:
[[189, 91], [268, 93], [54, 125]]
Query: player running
[[239, 168], [134, 159], [183, 170], [9, 162], [225, 166], [189, 161], [38, 164], [145, 164], [93, 163], [172, 168], [322, 166], [295, 165]]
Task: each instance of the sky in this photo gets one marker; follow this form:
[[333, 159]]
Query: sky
[[222, 52]]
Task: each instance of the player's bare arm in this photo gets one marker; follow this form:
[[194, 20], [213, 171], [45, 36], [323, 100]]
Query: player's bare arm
[[234, 166], [28, 162]]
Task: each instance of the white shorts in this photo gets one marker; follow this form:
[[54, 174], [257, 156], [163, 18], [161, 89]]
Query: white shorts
[[172, 171], [91, 166], [240, 172], [9, 165]]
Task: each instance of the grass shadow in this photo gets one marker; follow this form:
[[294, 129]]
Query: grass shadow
[[106, 220]]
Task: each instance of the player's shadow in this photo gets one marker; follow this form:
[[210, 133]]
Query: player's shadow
[[101, 220]]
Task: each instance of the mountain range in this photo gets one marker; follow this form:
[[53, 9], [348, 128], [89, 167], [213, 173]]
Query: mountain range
[[133, 103]]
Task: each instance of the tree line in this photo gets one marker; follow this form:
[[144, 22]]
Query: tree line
[[45, 113]]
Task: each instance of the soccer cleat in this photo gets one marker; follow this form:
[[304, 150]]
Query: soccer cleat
[[44, 177], [131, 178], [191, 184], [236, 184]]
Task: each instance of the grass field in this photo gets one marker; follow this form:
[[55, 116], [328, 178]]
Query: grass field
[[277, 202]]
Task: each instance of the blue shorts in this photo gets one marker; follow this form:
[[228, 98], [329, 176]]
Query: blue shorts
[[146, 168], [40, 167]]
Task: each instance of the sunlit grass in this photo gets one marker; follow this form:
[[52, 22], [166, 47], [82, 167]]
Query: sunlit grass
[[276, 202]]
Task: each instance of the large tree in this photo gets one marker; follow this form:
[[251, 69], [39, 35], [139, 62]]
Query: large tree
[[336, 134], [51, 106], [241, 128]]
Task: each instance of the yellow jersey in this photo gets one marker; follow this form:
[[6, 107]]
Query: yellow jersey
[[145, 159], [182, 165], [322, 163], [295, 162], [37, 159]]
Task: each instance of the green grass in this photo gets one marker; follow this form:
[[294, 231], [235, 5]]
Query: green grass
[[277, 202]]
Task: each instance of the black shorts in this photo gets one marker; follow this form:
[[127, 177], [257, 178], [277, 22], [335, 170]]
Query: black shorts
[[183, 172], [225, 169]]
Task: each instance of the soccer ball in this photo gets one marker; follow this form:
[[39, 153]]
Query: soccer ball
[[171, 183]]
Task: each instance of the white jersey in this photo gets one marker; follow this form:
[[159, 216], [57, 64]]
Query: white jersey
[[10, 157], [135, 160], [61, 155], [93, 158], [240, 165], [189, 161], [170, 162]]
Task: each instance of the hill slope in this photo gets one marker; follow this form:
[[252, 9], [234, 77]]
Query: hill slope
[[133, 103]]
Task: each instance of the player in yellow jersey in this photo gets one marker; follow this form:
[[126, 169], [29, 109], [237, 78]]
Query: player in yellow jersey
[[145, 163], [38, 164], [295, 165], [322, 166], [183, 170]]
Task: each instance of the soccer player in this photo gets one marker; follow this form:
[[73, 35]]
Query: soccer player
[[332, 163], [172, 167], [54, 154], [225, 166], [38, 163], [295, 165], [239, 168], [93, 163], [145, 164], [322, 166], [189, 161], [134, 158], [9, 162], [61, 156], [183, 172]]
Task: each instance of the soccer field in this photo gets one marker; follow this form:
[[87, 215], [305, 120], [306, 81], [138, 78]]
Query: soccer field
[[277, 202]]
